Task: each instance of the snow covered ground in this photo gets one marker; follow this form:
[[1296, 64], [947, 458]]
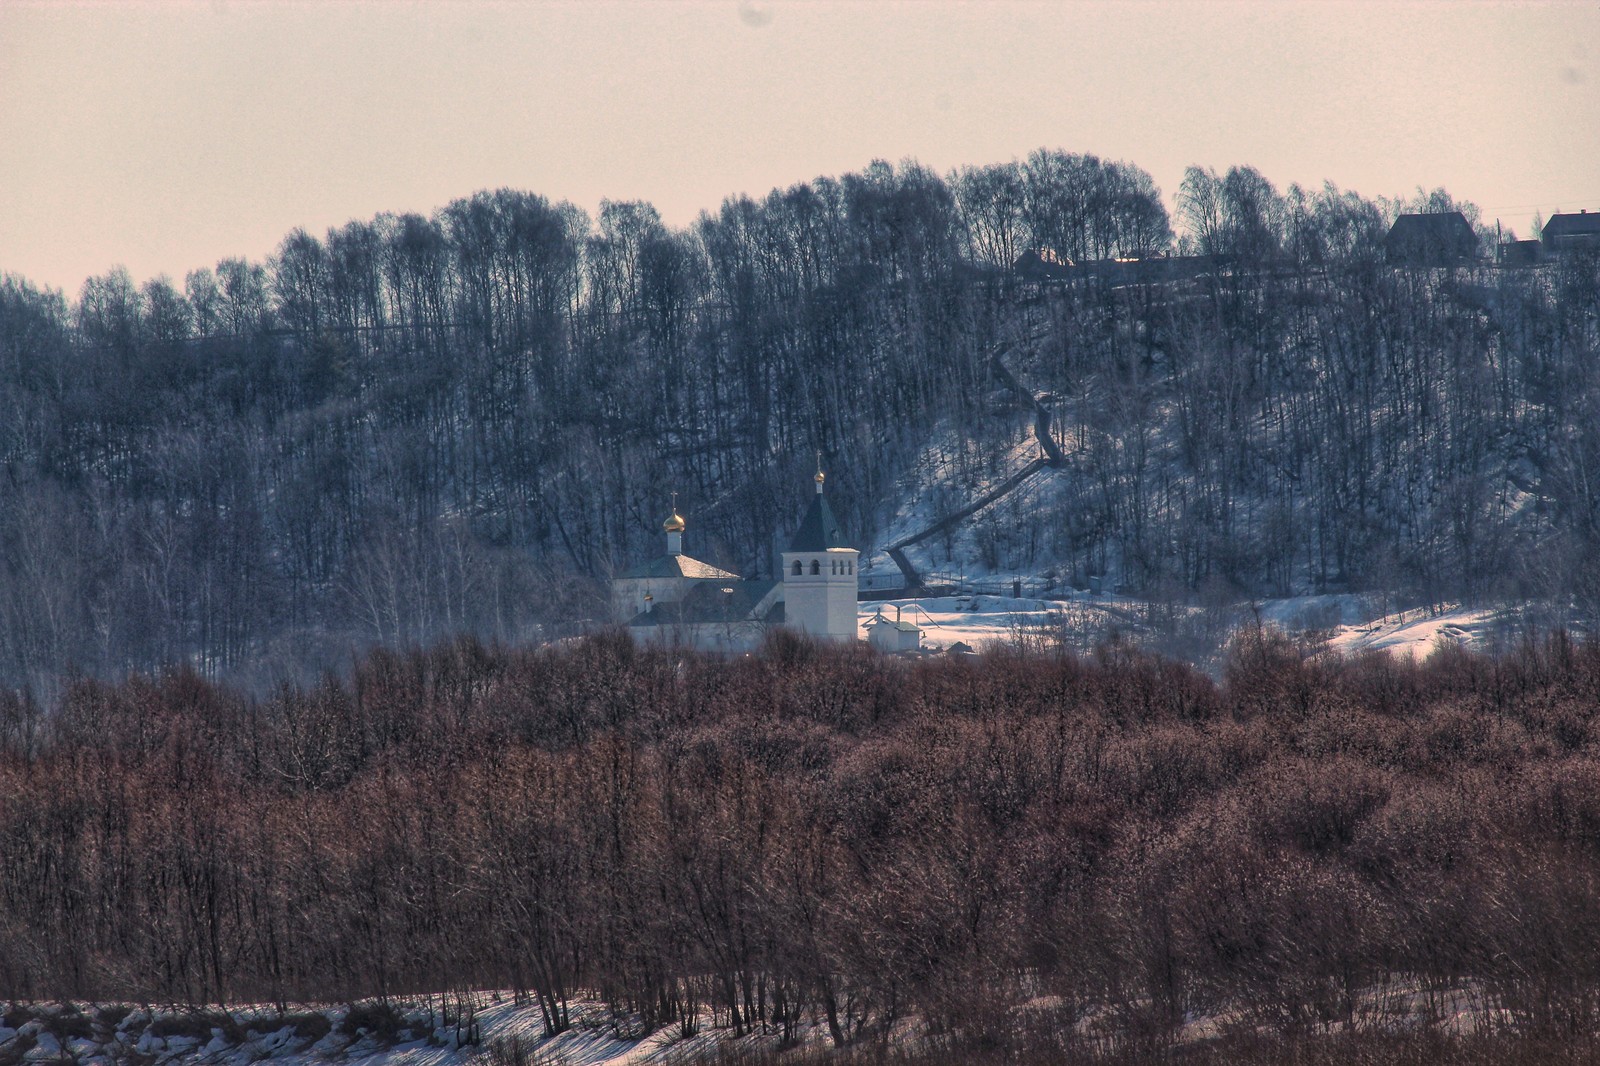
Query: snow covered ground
[[511, 1034], [979, 620], [1350, 623], [251, 1035], [951, 472], [1418, 633], [1356, 623]]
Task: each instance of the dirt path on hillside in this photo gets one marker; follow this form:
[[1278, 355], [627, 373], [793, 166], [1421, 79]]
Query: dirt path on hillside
[[1053, 457]]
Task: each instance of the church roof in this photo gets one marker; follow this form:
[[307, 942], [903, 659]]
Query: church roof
[[669, 566], [737, 601], [819, 529]]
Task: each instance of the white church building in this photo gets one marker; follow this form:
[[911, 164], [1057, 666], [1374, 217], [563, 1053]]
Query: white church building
[[678, 599]]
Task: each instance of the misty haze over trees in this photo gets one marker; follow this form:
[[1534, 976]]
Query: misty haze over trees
[[417, 426]]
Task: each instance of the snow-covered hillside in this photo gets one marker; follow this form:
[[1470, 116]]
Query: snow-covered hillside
[[1013, 583]]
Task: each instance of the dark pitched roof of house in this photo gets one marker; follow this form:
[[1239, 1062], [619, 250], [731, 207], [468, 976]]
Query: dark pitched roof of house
[[668, 566], [1582, 224], [1437, 236], [737, 601], [1034, 267], [819, 529]]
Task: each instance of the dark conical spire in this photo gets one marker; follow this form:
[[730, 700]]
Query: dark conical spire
[[819, 529]]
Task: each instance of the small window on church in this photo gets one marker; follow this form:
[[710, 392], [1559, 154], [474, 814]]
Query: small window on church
[[799, 568], [833, 565], [816, 567]]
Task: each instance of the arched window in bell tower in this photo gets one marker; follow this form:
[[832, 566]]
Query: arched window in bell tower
[[799, 568], [816, 567]]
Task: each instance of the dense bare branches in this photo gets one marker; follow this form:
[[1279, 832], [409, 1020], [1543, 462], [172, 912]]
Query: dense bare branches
[[409, 427], [822, 833]]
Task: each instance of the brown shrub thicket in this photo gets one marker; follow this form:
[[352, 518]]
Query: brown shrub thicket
[[1114, 842]]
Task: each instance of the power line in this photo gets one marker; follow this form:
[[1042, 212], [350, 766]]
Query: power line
[[1560, 200]]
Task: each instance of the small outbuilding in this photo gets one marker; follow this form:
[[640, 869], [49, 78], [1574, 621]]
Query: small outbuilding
[[1519, 253], [892, 636]]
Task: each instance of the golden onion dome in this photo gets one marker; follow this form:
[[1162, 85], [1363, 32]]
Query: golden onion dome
[[673, 524], [820, 478]]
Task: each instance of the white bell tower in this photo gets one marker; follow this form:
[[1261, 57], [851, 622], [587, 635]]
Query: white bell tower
[[819, 574]]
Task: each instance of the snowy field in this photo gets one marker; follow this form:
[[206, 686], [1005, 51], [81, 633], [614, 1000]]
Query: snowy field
[[508, 1033], [978, 621], [251, 1035], [1354, 624], [1350, 624]]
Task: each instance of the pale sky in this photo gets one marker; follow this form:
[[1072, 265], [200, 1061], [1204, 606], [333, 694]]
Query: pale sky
[[164, 137]]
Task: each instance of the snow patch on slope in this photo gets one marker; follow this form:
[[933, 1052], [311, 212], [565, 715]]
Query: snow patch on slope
[[1350, 624], [980, 621], [248, 1035]]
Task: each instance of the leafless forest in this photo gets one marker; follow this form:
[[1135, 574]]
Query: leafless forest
[[448, 431], [1002, 848], [414, 427]]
